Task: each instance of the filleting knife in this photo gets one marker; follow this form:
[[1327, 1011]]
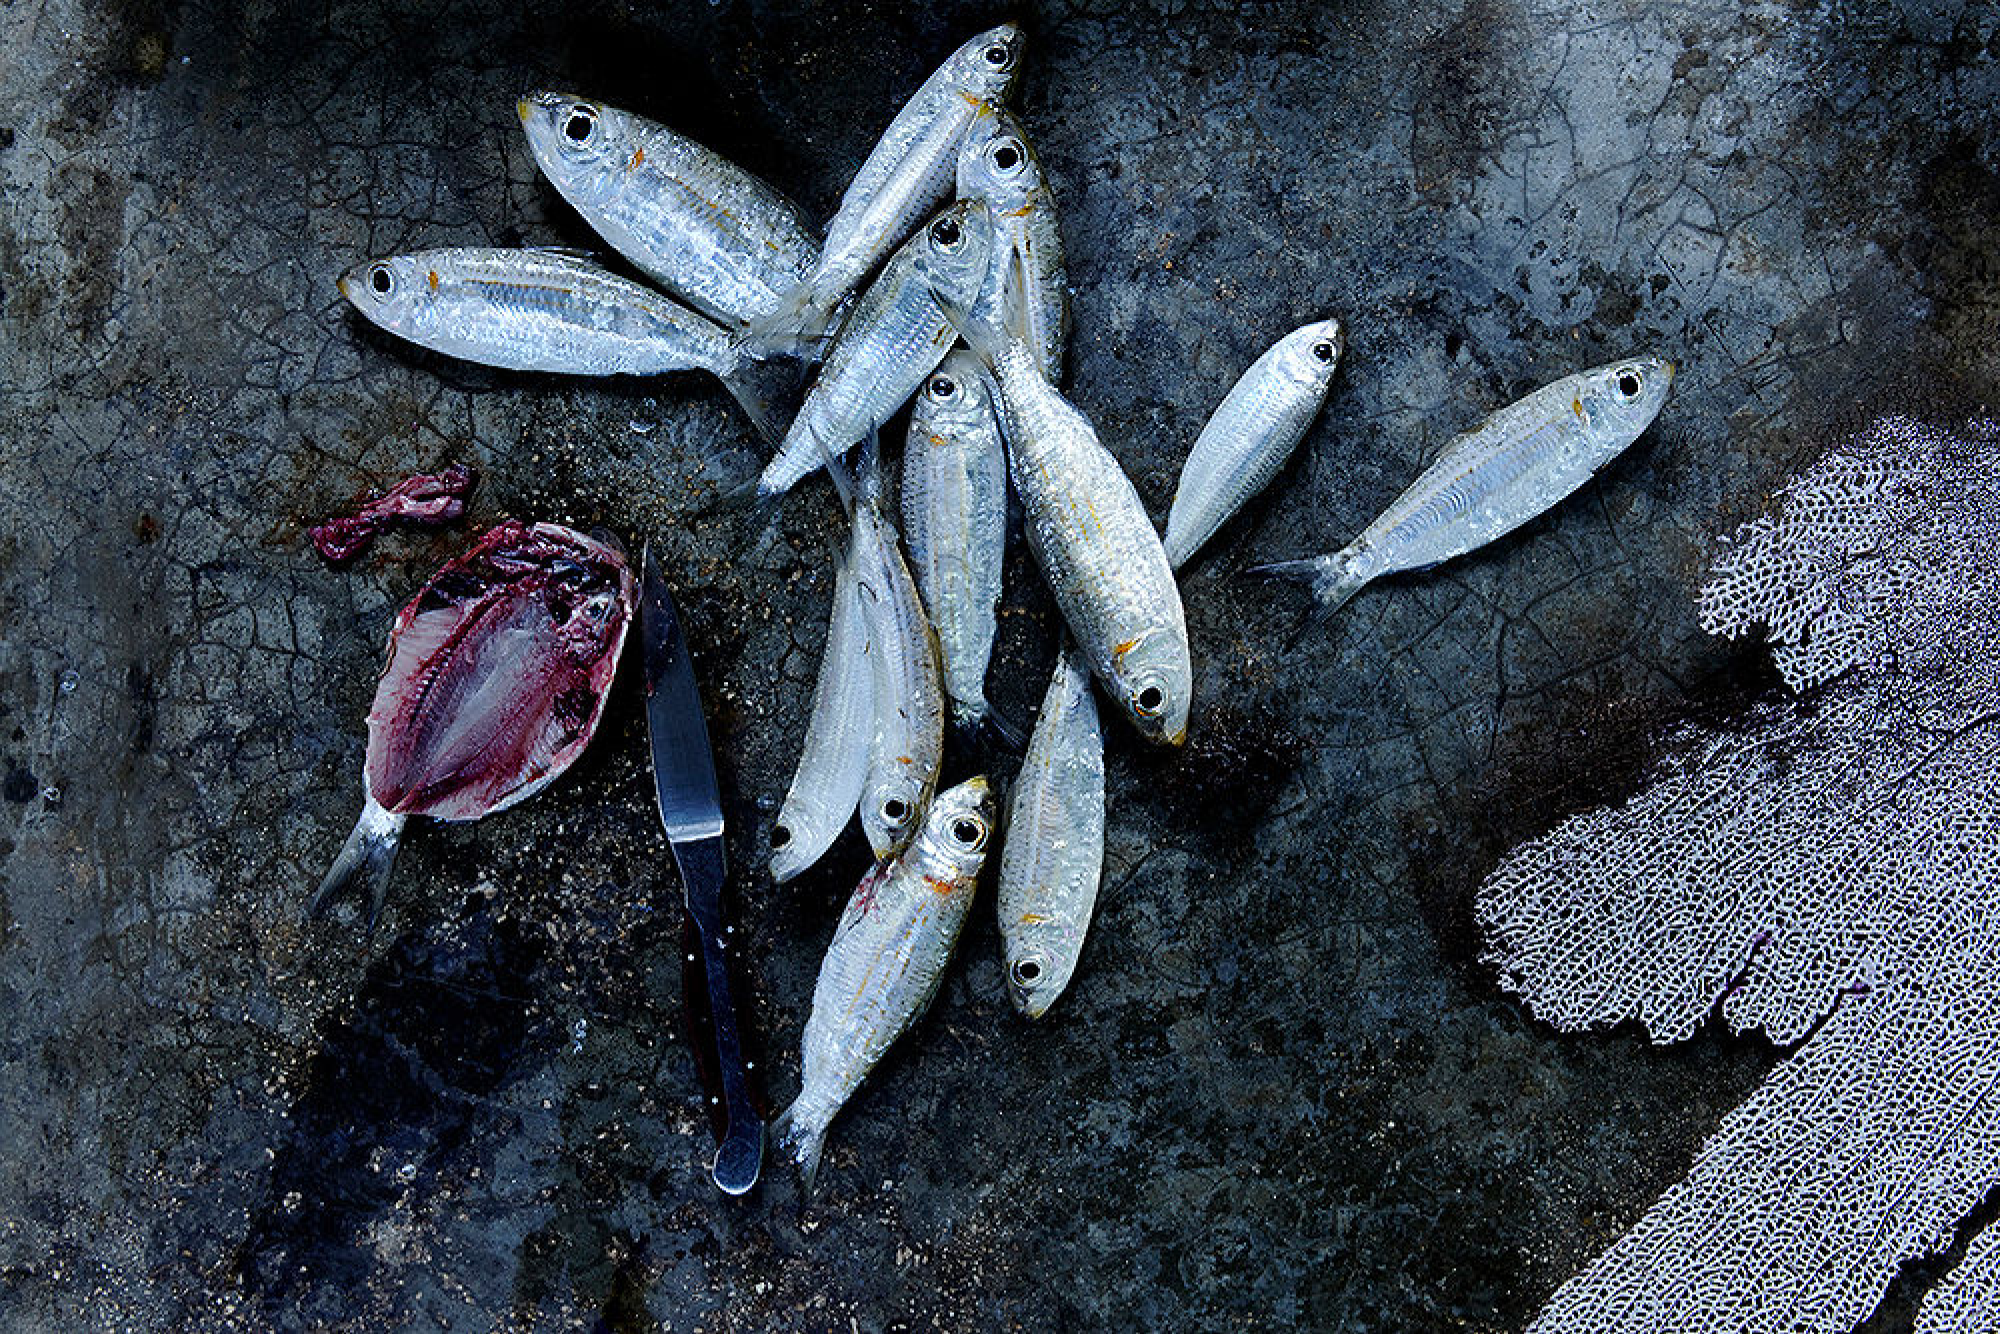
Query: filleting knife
[[691, 810]]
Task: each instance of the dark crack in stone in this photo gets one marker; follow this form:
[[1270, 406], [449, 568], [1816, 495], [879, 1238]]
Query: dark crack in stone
[[1280, 1092]]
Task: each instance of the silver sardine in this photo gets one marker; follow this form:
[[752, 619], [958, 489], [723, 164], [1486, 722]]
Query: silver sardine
[[887, 958], [1260, 423], [833, 762], [955, 523], [998, 165], [905, 179], [545, 310], [1086, 524], [709, 232], [1053, 856], [896, 335], [1517, 464]]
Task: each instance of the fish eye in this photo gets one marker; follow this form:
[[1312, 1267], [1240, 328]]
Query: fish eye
[[1323, 350], [1008, 157], [781, 838], [895, 810], [943, 387], [381, 281], [947, 233], [999, 55], [1026, 972], [1151, 700], [582, 120], [1628, 384], [967, 832]]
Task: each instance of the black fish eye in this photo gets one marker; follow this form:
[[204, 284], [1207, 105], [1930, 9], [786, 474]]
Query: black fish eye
[[780, 837], [381, 280], [894, 810], [943, 387], [1007, 156], [968, 831], [1323, 350], [1027, 972], [946, 233], [1151, 698], [998, 55], [579, 125], [1628, 383]]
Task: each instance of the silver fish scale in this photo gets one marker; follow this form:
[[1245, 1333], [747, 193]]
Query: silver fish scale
[[906, 745], [536, 310], [910, 170], [894, 337], [1096, 546], [1515, 465], [1254, 430], [1053, 857], [888, 955], [1024, 213], [704, 228], [833, 761], [955, 521]]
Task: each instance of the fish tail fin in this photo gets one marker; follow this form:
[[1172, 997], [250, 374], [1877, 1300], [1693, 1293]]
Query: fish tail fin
[[799, 323], [365, 860], [980, 727], [853, 494], [1333, 580], [766, 388], [802, 1139]]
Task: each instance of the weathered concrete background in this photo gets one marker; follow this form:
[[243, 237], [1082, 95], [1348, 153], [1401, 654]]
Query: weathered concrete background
[[1282, 1090]]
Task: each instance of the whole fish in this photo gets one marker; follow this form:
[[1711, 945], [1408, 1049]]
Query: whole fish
[[497, 676], [1086, 524], [905, 178], [906, 745], [955, 524], [887, 957], [998, 166], [1053, 855], [1260, 423], [546, 310], [1518, 463], [833, 763], [896, 335], [705, 229]]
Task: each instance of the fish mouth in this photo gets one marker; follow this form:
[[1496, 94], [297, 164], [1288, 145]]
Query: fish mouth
[[524, 109], [343, 283]]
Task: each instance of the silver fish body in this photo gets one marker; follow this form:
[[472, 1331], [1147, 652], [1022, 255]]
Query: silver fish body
[[905, 178], [1517, 464], [1259, 424], [887, 958], [1053, 857], [705, 229], [955, 523], [906, 744], [833, 762], [1086, 525], [998, 166], [895, 336]]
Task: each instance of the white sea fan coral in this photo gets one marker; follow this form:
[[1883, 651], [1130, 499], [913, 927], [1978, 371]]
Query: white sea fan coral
[[1829, 871]]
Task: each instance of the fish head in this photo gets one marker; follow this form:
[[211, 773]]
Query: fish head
[[1152, 679], [397, 293], [1310, 354], [1622, 399], [997, 163], [1040, 956], [580, 145], [985, 68], [952, 253], [958, 829], [890, 812], [957, 393]]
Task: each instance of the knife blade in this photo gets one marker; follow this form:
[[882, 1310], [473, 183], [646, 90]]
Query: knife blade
[[691, 811]]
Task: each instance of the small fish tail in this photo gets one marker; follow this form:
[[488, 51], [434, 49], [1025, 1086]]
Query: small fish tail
[[798, 323], [980, 727], [364, 861], [802, 1140], [766, 388], [1333, 580]]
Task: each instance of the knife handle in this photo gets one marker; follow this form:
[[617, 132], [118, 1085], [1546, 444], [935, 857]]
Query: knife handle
[[705, 962]]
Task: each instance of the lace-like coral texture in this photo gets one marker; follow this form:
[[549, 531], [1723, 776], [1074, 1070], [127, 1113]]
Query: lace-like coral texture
[[1829, 870]]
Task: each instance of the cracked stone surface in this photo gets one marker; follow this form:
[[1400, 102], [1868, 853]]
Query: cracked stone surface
[[1281, 1090]]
